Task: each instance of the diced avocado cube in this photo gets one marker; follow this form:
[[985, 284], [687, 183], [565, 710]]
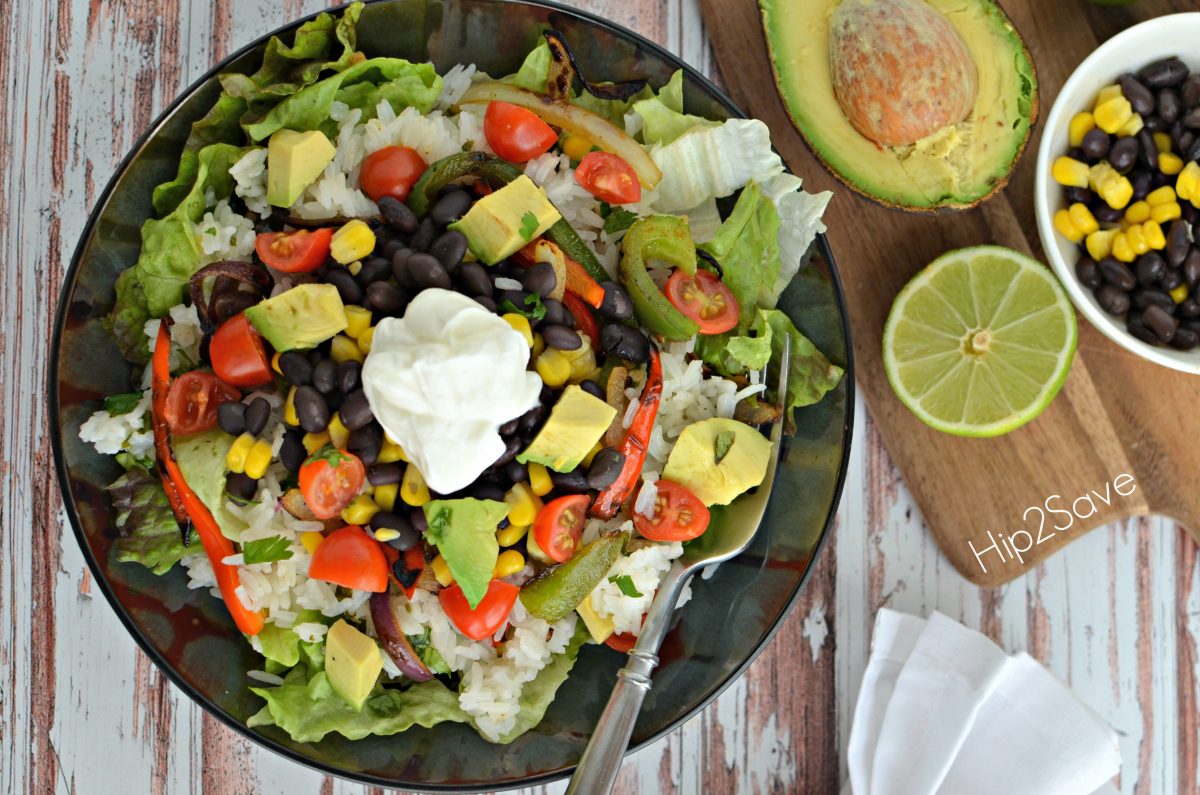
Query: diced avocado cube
[[576, 423], [294, 161], [744, 454], [502, 223], [302, 317], [598, 626], [352, 663]]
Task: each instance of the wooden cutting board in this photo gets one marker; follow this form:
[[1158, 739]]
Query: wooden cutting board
[[1119, 440]]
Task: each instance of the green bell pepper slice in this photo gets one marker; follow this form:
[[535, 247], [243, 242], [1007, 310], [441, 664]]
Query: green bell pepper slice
[[659, 237], [553, 595]]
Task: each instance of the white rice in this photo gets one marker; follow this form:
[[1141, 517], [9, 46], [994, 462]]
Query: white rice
[[505, 283], [225, 235], [580, 209], [645, 567], [250, 180], [186, 335], [455, 83], [115, 433], [265, 678]]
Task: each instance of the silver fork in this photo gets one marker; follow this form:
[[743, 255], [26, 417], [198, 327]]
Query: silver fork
[[601, 761]]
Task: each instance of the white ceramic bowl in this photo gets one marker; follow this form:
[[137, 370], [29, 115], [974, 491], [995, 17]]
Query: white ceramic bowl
[[1127, 52]]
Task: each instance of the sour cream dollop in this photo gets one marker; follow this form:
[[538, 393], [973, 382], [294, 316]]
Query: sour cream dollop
[[442, 380]]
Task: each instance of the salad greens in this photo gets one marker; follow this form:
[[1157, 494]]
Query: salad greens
[[662, 116], [147, 532]]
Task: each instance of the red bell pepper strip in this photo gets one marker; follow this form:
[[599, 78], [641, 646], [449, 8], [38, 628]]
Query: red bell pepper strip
[[585, 321], [184, 502], [637, 439]]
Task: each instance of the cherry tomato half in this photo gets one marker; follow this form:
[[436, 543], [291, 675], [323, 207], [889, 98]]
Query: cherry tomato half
[[237, 353], [705, 299], [559, 526], [391, 171], [351, 558], [192, 402], [300, 251], [609, 178], [487, 617], [516, 134], [329, 480], [679, 515]]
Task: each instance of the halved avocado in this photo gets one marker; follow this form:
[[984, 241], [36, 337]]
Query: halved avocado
[[956, 167]]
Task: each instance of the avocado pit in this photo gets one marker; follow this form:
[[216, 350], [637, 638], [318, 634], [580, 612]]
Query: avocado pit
[[900, 70]]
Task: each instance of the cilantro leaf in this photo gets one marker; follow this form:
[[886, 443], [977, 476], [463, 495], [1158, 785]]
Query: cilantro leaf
[[722, 445], [619, 220], [537, 309], [329, 454], [117, 405], [529, 225], [433, 659], [625, 583], [266, 550]]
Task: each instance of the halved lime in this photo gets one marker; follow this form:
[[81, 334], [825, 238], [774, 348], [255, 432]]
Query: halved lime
[[980, 341]]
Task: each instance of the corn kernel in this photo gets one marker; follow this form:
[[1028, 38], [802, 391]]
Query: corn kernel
[[344, 349], [1118, 194], [235, 457], [275, 363], [1179, 294], [539, 345], [523, 504], [413, 490], [1163, 195], [442, 572], [391, 452], [365, 339], [385, 496], [355, 267], [1155, 238], [1162, 142], [1131, 127], [1136, 239], [310, 541], [553, 367], [539, 480], [575, 146], [353, 241], [1081, 125], [258, 459], [360, 510], [509, 562], [1121, 248], [289, 408], [1108, 92], [520, 324], [358, 320], [1137, 213], [1099, 244], [1165, 213], [315, 441], [1070, 172], [1170, 164], [1115, 189], [1188, 182], [511, 534], [596, 448], [386, 534], [1111, 115], [1083, 219], [339, 434]]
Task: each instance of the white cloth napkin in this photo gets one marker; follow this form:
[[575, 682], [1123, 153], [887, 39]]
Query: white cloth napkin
[[943, 711]]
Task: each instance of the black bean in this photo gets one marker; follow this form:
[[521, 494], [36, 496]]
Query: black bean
[[487, 491], [486, 302], [241, 485], [1149, 268], [574, 481], [1145, 297], [605, 469], [510, 427], [1192, 324], [292, 452], [311, 409], [1076, 153], [349, 373], [450, 208], [356, 411], [512, 446], [556, 313], [258, 411], [1167, 72], [1190, 308], [1107, 215], [1160, 322], [385, 474], [1191, 119], [1136, 326], [562, 338], [373, 270], [515, 297], [335, 399], [423, 237], [1185, 339], [393, 521], [1176, 132], [531, 420], [1189, 93], [540, 279], [1171, 279], [1154, 124], [400, 267], [417, 518], [1191, 268], [473, 279], [426, 272], [366, 442], [1187, 141], [1178, 243], [389, 249], [1123, 154], [1158, 179], [1141, 185], [1192, 152], [1168, 105], [1189, 213], [1112, 300], [616, 304], [396, 213], [296, 368], [386, 298], [324, 376], [231, 417], [1148, 154], [516, 472], [595, 390], [449, 248], [346, 285], [1140, 97], [1096, 144], [1074, 196], [315, 357], [1117, 274], [625, 342]]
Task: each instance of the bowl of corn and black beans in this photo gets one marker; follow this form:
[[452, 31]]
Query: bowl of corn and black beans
[[1118, 190]]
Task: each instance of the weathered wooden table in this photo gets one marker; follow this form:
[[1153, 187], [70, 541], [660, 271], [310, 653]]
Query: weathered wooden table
[[1116, 615]]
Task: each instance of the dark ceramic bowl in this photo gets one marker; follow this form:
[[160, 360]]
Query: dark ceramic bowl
[[191, 637]]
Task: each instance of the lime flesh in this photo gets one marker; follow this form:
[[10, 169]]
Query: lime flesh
[[980, 341]]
